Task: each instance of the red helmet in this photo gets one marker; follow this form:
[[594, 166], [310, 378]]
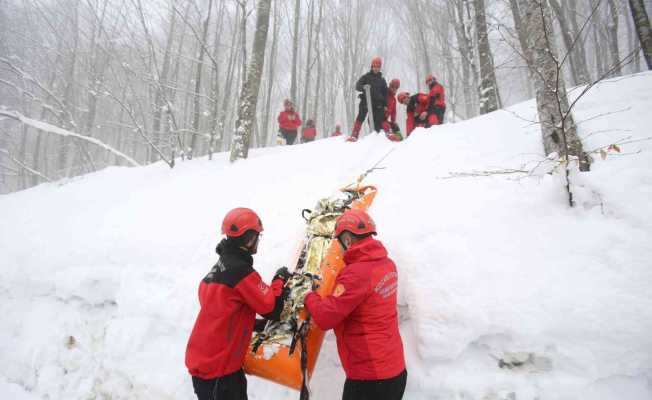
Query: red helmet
[[395, 83], [376, 62], [240, 220], [430, 78], [402, 97], [357, 222]]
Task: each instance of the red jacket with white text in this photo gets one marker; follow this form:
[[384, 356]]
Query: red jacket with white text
[[362, 310]]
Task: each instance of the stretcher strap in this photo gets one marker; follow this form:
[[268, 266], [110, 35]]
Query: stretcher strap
[[305, 392]]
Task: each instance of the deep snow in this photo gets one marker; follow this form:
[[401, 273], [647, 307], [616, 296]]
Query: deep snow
[[99, 273]]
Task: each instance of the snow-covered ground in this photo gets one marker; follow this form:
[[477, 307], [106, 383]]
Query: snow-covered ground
[[99, 274]]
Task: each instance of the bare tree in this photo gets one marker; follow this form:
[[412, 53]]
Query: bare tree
[[251, 85], [642, 23], [612, 28], [197, 98], [295, 50], [488, 85], [557, 125]]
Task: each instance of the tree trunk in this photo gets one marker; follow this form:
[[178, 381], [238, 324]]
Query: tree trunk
[[557, 126], [612, 28], [642, 23], [567, 36], [251, 85], [306, 82], [197, 95], [159, 95], [580, 47], [455, 10], [295, 50], [270, 76], [488, 86]]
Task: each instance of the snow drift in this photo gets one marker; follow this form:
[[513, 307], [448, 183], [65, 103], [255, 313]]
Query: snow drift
[[505, 291]]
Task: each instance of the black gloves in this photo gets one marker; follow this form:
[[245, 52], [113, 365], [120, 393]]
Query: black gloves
[[282, 273], [259, 324]]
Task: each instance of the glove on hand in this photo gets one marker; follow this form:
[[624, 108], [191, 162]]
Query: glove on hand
[[259, 324], [283, 274]]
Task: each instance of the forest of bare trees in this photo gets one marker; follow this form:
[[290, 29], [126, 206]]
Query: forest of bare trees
[[86, 84]]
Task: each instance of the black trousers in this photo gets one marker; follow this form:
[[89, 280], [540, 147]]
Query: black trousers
[[378, 115], [383, 389], [227, 387], [290, 136]]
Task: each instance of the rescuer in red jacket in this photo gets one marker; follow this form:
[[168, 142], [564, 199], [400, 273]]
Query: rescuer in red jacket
[[436, 101], [416, 110], [337, 132], [309, 132], [362, 311], [390, 126], [288, 122], [230, 296]]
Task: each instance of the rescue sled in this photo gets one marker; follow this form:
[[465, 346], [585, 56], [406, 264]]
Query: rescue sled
[[286, 352]]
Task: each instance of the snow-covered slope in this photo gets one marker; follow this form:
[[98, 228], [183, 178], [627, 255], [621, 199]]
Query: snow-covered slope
[[99, 274]]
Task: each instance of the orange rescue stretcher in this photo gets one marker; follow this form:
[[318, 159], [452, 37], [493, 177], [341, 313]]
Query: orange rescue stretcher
[[290, 359]]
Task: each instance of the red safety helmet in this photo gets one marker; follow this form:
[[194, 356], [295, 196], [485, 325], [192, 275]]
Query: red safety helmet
[[430, 78], [376, 62], [240, 220], [402, 97], [395, 83], [357, 222]]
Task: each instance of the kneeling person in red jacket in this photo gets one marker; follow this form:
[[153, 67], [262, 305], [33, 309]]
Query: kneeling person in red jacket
[[309, 132], [362, 310], [230, 296]]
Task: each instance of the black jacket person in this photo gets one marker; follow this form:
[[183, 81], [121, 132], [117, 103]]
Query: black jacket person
[[378, 90]]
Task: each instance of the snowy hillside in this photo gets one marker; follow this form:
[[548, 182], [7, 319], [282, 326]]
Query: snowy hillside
[[99, 274]]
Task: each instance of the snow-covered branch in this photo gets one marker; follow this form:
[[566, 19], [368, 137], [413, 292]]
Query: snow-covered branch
[[22, 165], [49, 128]]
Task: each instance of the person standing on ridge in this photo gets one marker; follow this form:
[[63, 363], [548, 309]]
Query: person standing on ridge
[[436, 101], [288, 123], [309, 132], [362, 311], [378, 93], [230, 296], [337, 132]]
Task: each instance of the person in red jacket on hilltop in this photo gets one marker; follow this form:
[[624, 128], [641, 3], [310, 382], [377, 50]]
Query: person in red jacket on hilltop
[[390, 126], [288, 123], [436, 101], [337, 132], [309, 132], [378, 93], [362, 311], [230, 296], [416, 110]]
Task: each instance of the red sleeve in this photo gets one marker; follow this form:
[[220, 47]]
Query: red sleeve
[[257, 294], [442, 97], [392, 114], [409, 123], [330, 311], [281, 119], [297, 120]]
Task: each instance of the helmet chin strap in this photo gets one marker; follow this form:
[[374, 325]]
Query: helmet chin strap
[[344, 246]]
